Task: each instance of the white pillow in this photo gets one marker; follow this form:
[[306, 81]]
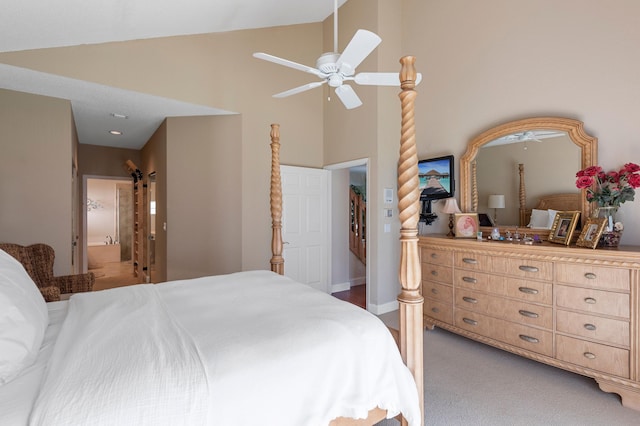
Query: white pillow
[[552, 217], [23, 318], [539, 219]]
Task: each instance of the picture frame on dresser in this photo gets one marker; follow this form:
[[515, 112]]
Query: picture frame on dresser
[[465, 225], [591, 233], [563, 227]]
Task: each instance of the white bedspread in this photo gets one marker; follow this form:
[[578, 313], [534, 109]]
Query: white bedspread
[[252, 348]]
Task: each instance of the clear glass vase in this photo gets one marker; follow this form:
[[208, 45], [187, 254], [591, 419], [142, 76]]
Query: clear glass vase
[[612, 230]]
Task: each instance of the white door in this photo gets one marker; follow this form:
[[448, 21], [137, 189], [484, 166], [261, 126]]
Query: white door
[[305, 206]]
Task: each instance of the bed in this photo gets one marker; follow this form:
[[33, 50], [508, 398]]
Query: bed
[[248, 348]]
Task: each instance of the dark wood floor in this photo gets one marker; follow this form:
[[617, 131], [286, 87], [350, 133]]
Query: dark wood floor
[[356, 295]]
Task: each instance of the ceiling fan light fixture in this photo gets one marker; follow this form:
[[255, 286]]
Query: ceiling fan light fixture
[[116, 132]]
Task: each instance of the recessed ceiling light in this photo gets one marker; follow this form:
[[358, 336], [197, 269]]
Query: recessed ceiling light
[[115, 132], [116, 115]]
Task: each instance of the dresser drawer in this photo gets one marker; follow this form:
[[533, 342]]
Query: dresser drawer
[[592, 327], [593, 301], [437, 291], [524, 268], [482, 281], [438, 310], [440, 273], [510, 310], [529, 290], [593, 276], [591, 355], [440, 257], [472, 261], [528, 338]]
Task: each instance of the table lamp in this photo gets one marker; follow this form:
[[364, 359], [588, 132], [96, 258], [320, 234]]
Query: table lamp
[[496, 202], [450, 207]]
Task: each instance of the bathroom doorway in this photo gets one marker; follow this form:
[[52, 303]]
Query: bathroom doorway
[[109, 230]]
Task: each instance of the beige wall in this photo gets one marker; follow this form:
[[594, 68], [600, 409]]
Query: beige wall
[[35, 173], [484, 63], [204, 196]]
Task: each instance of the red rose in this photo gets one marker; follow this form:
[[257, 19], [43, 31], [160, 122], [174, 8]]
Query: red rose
[[584, 182], [631, 167], [634, 181], [591, 171]]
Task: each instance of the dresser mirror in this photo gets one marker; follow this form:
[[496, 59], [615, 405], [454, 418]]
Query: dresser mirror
[[519, 171]]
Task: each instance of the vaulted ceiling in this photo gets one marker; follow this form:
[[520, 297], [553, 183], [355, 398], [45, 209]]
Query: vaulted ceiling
[[32, 24]]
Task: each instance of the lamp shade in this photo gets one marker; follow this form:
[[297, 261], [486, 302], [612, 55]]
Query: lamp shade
[[496, 202], [450, 206]]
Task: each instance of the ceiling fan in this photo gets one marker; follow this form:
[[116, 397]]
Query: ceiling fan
[[336, 68], [526, 136]]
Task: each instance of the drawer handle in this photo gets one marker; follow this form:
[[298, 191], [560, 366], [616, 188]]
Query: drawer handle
[[528, 290], [528, 314], [589, 355], [435, 310], [434, 273], [469, 280], [527, 268], [590, 300], [590, 327], [470, 299], [434, 290], [470, 321], [529, 338], [434, 255], [469, 260], [590, 276]]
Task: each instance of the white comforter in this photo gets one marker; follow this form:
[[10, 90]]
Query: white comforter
[[252, 348]]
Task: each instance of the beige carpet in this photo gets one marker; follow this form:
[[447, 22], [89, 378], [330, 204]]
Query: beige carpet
[[468, 383]]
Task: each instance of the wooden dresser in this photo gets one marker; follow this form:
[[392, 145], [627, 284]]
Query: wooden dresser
[[571, 307]]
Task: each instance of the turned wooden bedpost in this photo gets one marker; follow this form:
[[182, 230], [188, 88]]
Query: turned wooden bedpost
[[410, 299], [275, 195]]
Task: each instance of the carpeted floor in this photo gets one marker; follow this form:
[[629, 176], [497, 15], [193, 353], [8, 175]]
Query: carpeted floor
[[468, 383]]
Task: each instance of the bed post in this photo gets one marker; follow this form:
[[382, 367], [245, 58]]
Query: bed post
[[275, 195], [410, 299]]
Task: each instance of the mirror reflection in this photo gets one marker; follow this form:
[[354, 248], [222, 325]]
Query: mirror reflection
[[548, 161], [522, 170]]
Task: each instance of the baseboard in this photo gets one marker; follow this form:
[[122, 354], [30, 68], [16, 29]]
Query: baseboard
[[358, 281], [383, 309], [340, 287]]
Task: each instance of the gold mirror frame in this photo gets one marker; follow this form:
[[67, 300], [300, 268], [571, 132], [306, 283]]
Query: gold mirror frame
[[574, 129]]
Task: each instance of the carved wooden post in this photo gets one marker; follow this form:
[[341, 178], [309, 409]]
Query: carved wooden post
[[474, 186], [277, 261], [411, 302], [523, 197]]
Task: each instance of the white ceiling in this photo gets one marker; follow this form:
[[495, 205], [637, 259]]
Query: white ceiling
[[33, 24]]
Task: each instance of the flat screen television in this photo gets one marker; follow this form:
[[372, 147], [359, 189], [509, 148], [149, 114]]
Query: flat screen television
[[436, 178]]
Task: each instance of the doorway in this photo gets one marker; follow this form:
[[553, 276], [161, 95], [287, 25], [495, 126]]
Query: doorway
[[108, 233], [349, 268]]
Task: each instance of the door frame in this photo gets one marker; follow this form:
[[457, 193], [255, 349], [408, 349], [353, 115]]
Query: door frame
[[348, 165]]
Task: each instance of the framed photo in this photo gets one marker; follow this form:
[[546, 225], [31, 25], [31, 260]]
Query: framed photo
[[563, 226], [465, 225], [485, 219], [592, 232]]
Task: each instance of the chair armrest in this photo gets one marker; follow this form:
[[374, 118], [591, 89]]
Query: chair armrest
[[50, 293], [75, 283]]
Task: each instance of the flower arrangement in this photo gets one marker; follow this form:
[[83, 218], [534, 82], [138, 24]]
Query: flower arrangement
[[609, 189]]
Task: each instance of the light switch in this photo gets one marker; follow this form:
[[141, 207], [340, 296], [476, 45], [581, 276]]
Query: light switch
[[387, 227]]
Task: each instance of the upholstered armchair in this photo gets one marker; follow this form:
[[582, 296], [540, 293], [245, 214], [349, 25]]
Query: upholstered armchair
[[37, 260]]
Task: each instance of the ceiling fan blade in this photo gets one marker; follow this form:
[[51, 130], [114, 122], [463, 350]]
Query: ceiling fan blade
[[299, 89], [381, 78], [348, 96], [288, 63], [360, 46]]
